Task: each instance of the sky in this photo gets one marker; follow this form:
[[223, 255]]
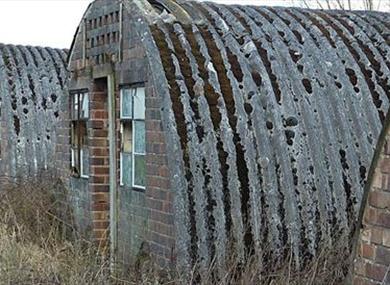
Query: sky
[[54, 22]]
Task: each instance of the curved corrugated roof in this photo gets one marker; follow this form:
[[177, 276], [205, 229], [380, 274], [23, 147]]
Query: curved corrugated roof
[[32, 90], [274, 114]]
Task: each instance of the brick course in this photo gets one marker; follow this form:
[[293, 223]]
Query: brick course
[[99, 166], [372, 262]]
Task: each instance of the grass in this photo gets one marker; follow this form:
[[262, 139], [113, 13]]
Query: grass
[[39, 244]]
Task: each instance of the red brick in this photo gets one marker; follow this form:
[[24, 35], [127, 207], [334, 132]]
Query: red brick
[[98, 96], [97, 105], [98, 161], [99, 188], [377, 180], [377, 235], [383, 255], [386, 237], [97, 124], [98, 151], [383, 219], [360, 267], [153, 125], [100, 215], [157, 193], [161, 217], [101, 142], [99, 114], [375, 271], [98, 133], [385, 165], [163, 171], [101, 225], [168, 207], [379, 199], [158, 227], [156, 181], [100, 197], [100, 207], [367, 251], [387, 147], [370, 215], [154, 204], [99, 179], [99, 169]]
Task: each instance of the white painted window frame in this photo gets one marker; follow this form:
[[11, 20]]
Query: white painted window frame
[[80, 96], [133, 153]]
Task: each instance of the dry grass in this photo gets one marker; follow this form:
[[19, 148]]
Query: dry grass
[[39, 245]]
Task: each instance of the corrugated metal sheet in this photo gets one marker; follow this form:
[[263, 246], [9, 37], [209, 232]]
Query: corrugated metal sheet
[[273, 116], [32, 89]]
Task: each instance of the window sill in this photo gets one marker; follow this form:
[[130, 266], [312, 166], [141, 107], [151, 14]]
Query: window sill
[[76, 175], [136, 189]]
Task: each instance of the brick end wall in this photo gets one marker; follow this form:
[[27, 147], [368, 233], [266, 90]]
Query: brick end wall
[[372, 264], [159, 195], [144, 216]]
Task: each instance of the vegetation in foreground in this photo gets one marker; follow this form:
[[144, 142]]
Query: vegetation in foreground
[[39, 244]]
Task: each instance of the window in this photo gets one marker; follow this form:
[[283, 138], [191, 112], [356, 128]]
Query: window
[[132, 157], [79, 134]]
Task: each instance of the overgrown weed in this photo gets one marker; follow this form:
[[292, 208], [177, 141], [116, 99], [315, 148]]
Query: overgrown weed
[[39, 244]]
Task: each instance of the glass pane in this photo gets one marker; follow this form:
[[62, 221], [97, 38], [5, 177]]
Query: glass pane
[[127, 137], [139, 170], [139, 137], [85, 106], [127, 103], [73, 158], [139, 104], [75, 155], [75, 106], [126, 169], [74, 138], [84, 161]]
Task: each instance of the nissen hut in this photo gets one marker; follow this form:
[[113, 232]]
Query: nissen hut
[[199, 131]]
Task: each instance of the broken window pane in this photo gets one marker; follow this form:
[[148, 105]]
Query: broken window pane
[[79, 139], [139, 170], [74, 137], [133, 137], [127, 137], [126, 104], [85, 106], [83, 133], [139, 104], [126, 168], [139, 137]]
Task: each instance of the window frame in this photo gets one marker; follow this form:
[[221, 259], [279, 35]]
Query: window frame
[[78, 132], [131, 119]]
